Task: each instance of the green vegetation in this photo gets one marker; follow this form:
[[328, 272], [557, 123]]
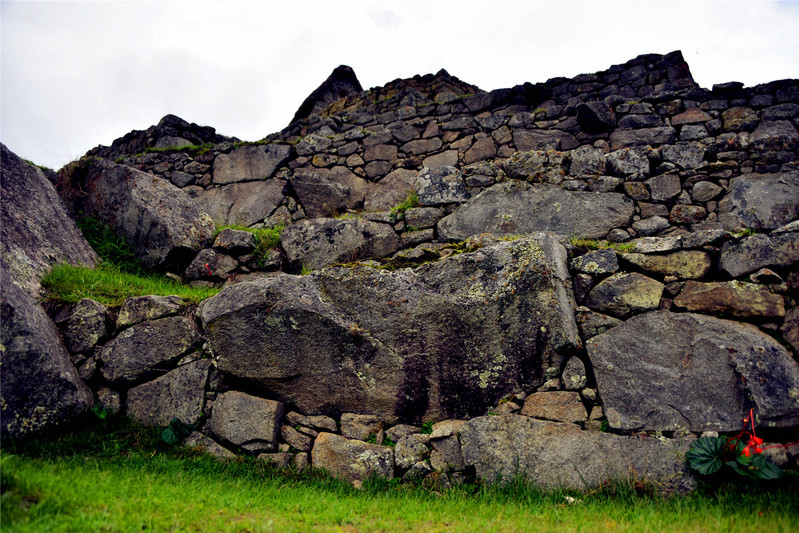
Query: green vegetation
[[115, 476], [111, 248], [398, 211], [745, 232], [594, 244], [191, 149], [265, 239], [109, 285], [40, 167]]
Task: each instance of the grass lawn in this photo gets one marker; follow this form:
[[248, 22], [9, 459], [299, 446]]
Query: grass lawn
[[116, 477]]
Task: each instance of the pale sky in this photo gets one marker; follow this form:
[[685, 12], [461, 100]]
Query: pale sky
[[75, 74]]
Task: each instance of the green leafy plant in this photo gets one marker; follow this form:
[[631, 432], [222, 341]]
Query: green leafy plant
[[176, 431], [111, 248], [427, 428], [595, 244], [398, 211], [708, 455]]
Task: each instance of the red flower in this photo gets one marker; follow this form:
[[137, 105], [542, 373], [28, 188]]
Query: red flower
[[746, 452]]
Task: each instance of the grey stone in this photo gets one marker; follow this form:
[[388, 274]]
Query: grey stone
[[380, 152], [625, 293], [651, 226], [446, 455], [704, 191], [233, 241], [687, 264], [210, 264], [423, 217], [444, 159], [35, 230], [390, 191], [484, 148], [324, 241], [513, 208], [313, 144], [740, 119], [662, 371], [40, 385], [525, 140], [558, 406], [790, 328], [628, 162], [336, 333], [278, 459], [587, 161], [341, 83], [89, 324], [246, 421], [574, 376], [757, 251], [295, 439], [352, 460], [162, 223], [395, 433], [597, 262], [409, 451], [664, 187], [148, 349], [422, 146], [648, 245], [692, 115], [536, 166], [178, 394], [208, 445], [360, 427], [684, 155], [642, 137], [596, 117], [320, 422], [140, 308], [736, 298], [761, 201], [325, 192], [243, 204], [440, 185], [562, 456], [181, 179]]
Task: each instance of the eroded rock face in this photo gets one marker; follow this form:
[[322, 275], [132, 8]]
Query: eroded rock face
[[562, 456], [320, 242], [663, 371], [448, 339], [35, 230], [40, 385], [162, 223], [513, 208]]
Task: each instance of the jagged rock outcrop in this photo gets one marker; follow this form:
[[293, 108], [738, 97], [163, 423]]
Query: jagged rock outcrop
[[341, 83], [36, 231], [170, 132], [447, 339]]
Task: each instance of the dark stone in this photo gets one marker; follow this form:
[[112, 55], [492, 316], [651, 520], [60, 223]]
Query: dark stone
[[757, 251], [40, 385], [596, 117], [324, 192], [341, 83], [665, 371], [242, 204]]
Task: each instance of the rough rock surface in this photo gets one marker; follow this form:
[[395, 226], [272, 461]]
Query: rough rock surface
[[178, 394], [562, 456], [246, 421], [447, 339], [147, 349], [625, 293], [162, 223], [40, 385], [663, 371], [736, 298], [757, 251], [242, 204], [351, 459], [514, 208], [761, 201], [88, 325], [320, 242], [141, 308], [35, 230], [250, 163], [341, 83]]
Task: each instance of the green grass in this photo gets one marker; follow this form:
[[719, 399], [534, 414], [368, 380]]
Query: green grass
[[265, 239], [116, 476], [111, 248], [109, 285], [594, 244], [398, 211], [191, 149]]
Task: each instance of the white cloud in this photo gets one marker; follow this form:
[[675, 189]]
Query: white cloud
[[80, 73]]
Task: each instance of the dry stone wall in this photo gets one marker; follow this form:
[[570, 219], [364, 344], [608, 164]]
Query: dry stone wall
[[615, 251]]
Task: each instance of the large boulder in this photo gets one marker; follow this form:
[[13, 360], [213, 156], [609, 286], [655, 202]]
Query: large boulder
[[562, 456], [178, 394], [35, 230], [448, 339], [513, 208], [163, 224], [757, 251], [40, 385], [320, 242], [663, 371], [327, 192], [247, 421], [761, 201]]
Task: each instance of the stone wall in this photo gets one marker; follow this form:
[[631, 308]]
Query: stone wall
[[615, 251]]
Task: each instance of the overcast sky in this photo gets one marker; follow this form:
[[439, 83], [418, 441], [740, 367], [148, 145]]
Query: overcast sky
[[75, 74]]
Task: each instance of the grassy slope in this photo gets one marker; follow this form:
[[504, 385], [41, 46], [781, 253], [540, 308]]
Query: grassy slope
[[115, 478]]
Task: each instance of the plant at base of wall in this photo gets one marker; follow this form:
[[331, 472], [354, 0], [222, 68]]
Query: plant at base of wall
[[708, 454]]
